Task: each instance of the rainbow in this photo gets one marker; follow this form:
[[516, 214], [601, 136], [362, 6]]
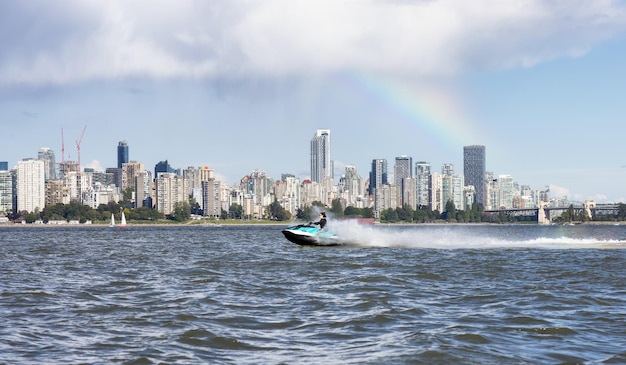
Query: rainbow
[[423, 109]]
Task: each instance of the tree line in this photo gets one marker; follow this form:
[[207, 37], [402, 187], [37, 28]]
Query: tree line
[[76, 211]]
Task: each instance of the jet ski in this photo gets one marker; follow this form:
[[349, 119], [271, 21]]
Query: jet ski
[[308, 235]]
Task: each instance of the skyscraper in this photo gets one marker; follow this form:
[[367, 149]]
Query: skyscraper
[[402, 170], [474, 168], [122, 154], [422, 175], [4, 166], [31, 190], [378, 175], [321, 165], [49, 164]]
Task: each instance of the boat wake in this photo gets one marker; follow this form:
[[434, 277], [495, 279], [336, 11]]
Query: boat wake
[[465, 237]]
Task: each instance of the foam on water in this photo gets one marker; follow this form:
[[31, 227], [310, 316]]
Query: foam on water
[[456, 237]]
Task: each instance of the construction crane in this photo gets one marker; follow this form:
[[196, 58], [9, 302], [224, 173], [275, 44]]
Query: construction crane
[[78, 142], [62, 148]]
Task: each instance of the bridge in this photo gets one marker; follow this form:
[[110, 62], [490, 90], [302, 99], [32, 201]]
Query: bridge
[[544, 213]]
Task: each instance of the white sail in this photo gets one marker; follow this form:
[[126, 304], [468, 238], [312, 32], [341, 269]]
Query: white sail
[[123, 224], [112, 224]]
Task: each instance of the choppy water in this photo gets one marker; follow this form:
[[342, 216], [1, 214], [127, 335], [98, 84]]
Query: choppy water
[[245, 295]]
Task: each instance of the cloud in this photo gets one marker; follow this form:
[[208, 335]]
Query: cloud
[[96, 165], [80, 41]]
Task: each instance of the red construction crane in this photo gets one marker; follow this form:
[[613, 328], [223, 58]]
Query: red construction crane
[[78, 142], [62, 148]]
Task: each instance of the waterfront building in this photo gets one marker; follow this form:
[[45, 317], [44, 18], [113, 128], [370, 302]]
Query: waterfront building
[[56, 193], [6, 191], [310, 191], [506, 191], [528, 197], [169, 191], [321, 163], [436, 192], [130, 170], [492, 198], [257, 185], [402, 169], [287, 192], [350, 187], [47, 156], [31, 188], [474, 168], [458, 192], [422, 183], [193, 181], [378, 175], [75, 184], [409, 191], [452, 187], [211, 198], [384, 198], [101, 194], [468, 196], [122, 154], [143, 189]]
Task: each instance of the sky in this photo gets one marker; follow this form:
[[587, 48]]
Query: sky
[[242, 85]]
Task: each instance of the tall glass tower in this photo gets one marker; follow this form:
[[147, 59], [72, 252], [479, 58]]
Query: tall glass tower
[[47, 156], [378, 175], [122, 154], [402, 170], [474, 170], [321, 164]]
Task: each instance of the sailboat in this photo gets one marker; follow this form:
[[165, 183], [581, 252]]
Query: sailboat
[[112, 224], [123, 224]]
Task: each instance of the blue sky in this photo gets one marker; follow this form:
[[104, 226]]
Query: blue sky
[[243, 85]]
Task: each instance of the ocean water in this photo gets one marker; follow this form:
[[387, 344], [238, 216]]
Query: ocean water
[[448, 294]]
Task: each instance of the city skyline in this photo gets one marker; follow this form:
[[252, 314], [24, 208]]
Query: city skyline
[[474, 157], [240, 87]]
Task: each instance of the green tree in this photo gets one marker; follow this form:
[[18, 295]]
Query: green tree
[[450, 212], [235, 211], [305, 214], [352, 212], [621, 211], [337, 208], [182, 212]]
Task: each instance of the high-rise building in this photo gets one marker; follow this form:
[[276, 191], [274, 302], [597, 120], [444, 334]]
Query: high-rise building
[[6, 191], [474, 168], [31, 188], [378, 174], [4, 166], [130, 170], [122, 154], [169, 191], [422, 175], [163, 166], [47, 156], [321, 164], [402, 170]]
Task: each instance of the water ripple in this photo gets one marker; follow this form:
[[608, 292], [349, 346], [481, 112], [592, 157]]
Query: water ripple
[[243, 295]]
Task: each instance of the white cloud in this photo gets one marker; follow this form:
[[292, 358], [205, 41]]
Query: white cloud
[[83, 41], [96, 165]]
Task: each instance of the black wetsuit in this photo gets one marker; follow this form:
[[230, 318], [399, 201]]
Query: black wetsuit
[[321, 222]]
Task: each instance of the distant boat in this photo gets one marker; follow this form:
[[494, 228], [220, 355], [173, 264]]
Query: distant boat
[[112, 224], [123, 224]]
